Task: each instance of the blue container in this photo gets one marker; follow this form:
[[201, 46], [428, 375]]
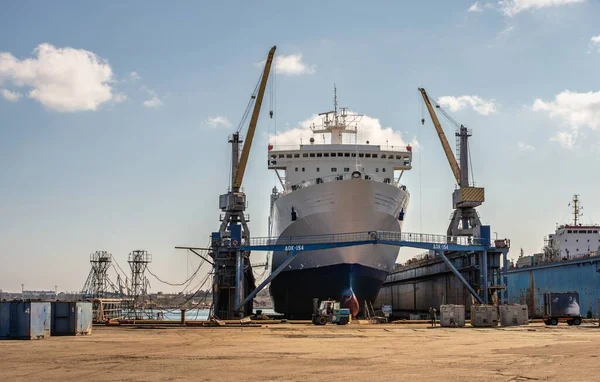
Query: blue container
[[71, 318], [24, 320]]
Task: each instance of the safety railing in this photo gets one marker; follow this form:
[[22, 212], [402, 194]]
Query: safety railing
[[344, 147], [367, 236]]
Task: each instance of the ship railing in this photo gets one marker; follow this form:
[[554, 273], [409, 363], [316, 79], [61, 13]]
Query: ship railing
[[344, 176], [350, 147], [385, 236]]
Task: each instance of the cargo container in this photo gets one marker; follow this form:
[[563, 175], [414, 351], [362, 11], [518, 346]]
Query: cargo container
[[484, 315], [513, 315], [71, 318], [26, 320], [452, 315], [562, 307]]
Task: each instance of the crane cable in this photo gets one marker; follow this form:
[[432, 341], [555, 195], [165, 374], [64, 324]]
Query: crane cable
[[178, 284]]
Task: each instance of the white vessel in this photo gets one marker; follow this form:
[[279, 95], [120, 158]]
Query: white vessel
[[339, 187], [568, 242]]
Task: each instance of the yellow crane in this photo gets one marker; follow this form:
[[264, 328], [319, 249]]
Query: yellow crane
[[445, 145], [465, 220], [243, 160]]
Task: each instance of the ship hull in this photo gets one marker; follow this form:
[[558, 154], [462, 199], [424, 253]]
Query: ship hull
[[351, 275]]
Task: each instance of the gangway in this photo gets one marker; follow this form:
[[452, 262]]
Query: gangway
[[295, 245]]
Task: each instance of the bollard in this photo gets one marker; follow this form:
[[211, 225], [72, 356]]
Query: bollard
[[183, 316]]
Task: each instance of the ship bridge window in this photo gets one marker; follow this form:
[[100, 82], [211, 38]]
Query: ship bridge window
[[281, 156], [326, 154], [333, 155], [346, 155], [383, 156], [383, 169], [304, 155], [334, 169], [361, 155], [569, 231], [374, 155], [346, 169], [398, 157], [302, 169], [273, 156], [353, 155], [318, 169], [296, 155], [296, 169], [595, 231], [377, 169], [582, 231], [312, 155], [367, 155], [319, 155], [590, 231], [288, 155]]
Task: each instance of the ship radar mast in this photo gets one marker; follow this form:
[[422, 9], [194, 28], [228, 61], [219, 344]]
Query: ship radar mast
[[576, 209], [337, 124]]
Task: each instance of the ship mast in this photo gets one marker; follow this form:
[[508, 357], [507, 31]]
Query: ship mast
[[576, 209]]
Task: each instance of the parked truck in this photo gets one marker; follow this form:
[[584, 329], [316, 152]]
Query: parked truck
[[562, 307]]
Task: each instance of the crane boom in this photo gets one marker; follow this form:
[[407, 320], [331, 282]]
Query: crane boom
[[438, 127], [241, 168]]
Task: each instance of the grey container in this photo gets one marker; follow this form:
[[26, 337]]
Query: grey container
[[71, 318], [24, 320], [484, 315], [452, 315], [513, 315]]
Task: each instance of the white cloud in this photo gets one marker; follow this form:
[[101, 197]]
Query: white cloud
[[153, 102], [292, 65], [218, 121], [565, 139], [119, 97], [475, 7], [134, 76], [62, 79], [480, 105], [525, 146], [513, 7], [505, 32], [574, 109], [369, 129], [10, 95], [595, 43]]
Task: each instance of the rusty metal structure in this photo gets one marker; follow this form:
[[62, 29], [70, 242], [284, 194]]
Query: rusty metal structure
[[98, 284], [138, 262]]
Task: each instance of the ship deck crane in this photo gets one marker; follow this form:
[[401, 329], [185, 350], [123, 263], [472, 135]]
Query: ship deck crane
[[465, 220]]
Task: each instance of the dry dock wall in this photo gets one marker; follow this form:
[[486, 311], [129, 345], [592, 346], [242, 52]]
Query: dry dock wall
[[527, 285]]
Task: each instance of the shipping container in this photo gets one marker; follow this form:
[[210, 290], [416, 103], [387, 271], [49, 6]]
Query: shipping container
[[484, 315], [452, 315], [24, 320], [71, 318], [512, 315]]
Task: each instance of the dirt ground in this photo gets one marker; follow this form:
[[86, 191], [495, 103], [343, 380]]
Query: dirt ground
[[285, 352]]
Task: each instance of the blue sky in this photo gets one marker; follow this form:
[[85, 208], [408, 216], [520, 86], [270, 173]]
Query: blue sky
[[93, 157]]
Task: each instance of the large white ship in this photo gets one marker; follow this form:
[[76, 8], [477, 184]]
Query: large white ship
[[337, 187]]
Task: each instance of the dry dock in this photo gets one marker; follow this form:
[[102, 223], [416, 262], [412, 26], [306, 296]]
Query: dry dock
[[389, 352]]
